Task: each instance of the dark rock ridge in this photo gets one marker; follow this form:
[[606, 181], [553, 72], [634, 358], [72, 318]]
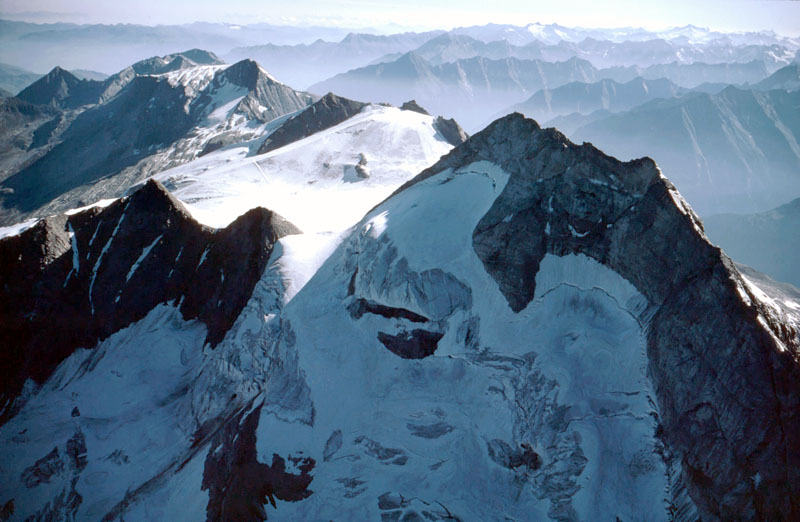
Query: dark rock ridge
[[70, 281], [327, 112], [416, 344], [724, 366], [147, 116]]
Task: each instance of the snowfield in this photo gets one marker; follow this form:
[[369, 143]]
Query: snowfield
[[312, 182]]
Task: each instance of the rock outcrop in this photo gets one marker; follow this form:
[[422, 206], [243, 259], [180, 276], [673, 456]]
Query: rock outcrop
[[79, 278], [450, 130], [412, 105], [328, 111]]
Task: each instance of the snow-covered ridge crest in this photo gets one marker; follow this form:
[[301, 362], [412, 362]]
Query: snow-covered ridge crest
[[313, 181], [193, 79]]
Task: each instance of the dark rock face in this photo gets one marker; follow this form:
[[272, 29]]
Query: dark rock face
[[7, 510], [327, 112], [62, 89], [450, 130], [724, 366], [57, 467], [147, 115], [524, 457], [267, 98], [43, 470], [416, 344], [362, 306], [412, 105], [70, 281], [238, 484]]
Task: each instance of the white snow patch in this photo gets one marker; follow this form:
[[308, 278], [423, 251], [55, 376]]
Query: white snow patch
[[575, 233], [145, 251], [18, 228], [203, 257], [103, 252], [102, 203]]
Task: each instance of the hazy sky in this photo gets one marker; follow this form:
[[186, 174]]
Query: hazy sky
[[782, 16]]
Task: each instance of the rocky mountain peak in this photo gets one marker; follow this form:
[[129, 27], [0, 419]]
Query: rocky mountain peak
[[245, 73], [153, 197], [62, 89], [328, 111], [515, 141], [102, 269]]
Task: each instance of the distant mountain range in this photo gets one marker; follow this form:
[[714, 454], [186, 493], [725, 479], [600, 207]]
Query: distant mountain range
[[307, 64], [767, 241], [474, 90], [14, 79], [289, 51], [585, 98], [304, 64], [733, 151]]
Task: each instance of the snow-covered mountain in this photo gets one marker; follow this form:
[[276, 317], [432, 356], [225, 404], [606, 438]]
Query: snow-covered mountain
[[555, 33], [605, 53], [154, 122], [65, 90], [528, 329]]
